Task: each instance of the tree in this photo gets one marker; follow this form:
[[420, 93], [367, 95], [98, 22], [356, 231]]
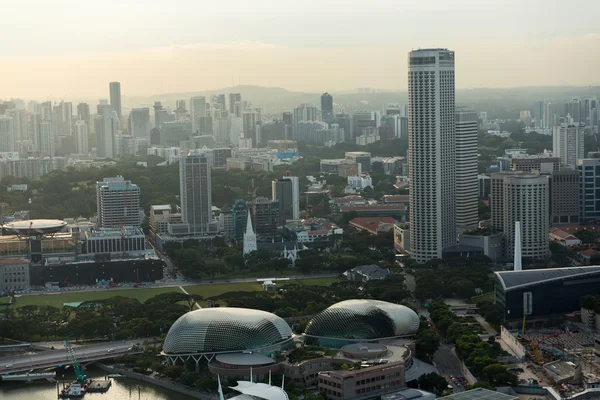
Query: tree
[[498, 375], [433, 382]]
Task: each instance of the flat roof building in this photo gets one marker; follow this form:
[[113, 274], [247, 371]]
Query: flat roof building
[[118, 203]]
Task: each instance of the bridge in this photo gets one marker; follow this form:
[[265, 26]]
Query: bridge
[[58, 357]]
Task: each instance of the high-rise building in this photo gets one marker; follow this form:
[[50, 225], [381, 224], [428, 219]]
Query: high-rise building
[[197, 111], [525, 198], [221, 102], [46, 111], [287, 191], [431, 154], [7, 134], [266, 217], [19, 117], [565, 207], [326, 107], [235, 98], [118, 203], [83, 112], [195, 190], [45, 138], [140, 122], [105, 131], [115, 97], [589, 178], [180, 110], [567, 143], [467, 201], [81, 137], [302, 113], [541, 164], [539, 114]]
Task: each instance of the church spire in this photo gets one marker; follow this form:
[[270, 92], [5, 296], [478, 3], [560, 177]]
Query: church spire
[[249, 237]]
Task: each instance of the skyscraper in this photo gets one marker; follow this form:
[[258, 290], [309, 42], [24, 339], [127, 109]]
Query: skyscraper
[[195, 190], [83, 112], [304, 112], [221, 102], [287, 191], [19, 117], [567, 143], [539, 114], [431, 143], [466, 123], [105, 131], [118, 203], [7, 134], [140, 122], [233, 99], [197, 111], [81, 137], [115, 97], [327, 106]]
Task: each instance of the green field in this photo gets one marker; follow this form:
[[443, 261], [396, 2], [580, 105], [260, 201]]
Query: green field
[[483, 297], [142, 294]]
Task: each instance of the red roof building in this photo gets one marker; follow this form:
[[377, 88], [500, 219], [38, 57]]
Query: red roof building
[[374, 225]]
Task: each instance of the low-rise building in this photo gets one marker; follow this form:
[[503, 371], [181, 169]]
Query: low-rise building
[[14, 274], [374, 225], [587, 255], [366, 273], [365, 382], [397, 211], [22, 187], [491, 242], [564, 238], [360, 182], [402, 238]]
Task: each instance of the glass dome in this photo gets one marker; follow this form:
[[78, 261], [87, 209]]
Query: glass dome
[[213, 330], [363, 319]]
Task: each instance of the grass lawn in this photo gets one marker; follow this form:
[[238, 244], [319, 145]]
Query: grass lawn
[[486, 296], [57, 300], [143, 294], [4, 300]]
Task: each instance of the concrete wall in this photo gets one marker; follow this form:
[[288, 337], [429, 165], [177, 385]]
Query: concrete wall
[[512, 342]]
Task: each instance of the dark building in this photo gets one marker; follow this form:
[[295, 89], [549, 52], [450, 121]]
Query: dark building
[[288, 118], [327, 107], [344, 121], [83, 112], [240, 215], [206, 126], [386, 132], [544, 292], [266, 218], [286, 191], [564, 197]]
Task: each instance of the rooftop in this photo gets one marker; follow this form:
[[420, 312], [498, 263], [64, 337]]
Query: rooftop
[[479, 394], [373, 207], [396, 198], [516, 279], [244, 359], [372, 224]]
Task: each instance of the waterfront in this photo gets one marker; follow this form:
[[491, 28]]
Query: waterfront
[[121, 389]]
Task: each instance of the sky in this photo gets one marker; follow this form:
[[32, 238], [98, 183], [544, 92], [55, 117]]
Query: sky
[[74, 48]]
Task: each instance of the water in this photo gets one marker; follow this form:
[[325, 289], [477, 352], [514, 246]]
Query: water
[[121, 389]]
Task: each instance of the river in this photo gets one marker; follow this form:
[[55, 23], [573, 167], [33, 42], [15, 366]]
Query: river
[[121, 389]]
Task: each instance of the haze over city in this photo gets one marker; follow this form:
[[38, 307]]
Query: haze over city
[[71, 49]]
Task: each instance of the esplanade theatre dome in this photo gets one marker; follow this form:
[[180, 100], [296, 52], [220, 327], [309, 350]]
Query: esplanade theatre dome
[[361, 320], [225, 329]]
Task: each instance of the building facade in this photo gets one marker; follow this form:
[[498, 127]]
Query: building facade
[[327, 107], [466, 123], [431, 157], [565, 206], [115, 97], [118, 203], [81, 137], [197, 111], [140, 122], [589, 178], [567, 143], [286, 190], [195, 191], [14, 274]]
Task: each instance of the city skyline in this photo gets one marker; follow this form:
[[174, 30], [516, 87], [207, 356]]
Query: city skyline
[[114, 46]]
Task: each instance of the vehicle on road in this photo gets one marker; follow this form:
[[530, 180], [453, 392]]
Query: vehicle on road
[[110, 350], [8, 366]]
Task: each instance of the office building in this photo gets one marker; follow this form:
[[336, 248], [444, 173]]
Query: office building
[[118, 203], [14, 274], [565, 206], [7, 134], [197, 111], [589, 178], [81, 137], [567, 143], [195, 191], [235, 99], [304, 113], [542, 164], [139, 120], [19, 121], [522, 197], [539, 114], [83, 113], [466, 123], [431, 155], [360, 157], [286, 190], [45, 138], [266, 218], [105, 131], [326, 107], [362, 120], [115, 97]]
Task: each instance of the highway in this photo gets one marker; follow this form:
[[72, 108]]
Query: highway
[[53, 358]]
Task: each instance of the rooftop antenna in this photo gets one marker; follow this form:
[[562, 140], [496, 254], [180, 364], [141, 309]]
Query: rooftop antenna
[[220, 390], [518, 250]]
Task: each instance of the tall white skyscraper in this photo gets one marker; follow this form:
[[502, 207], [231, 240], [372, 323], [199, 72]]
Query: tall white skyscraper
[[431, 157], [46, 138], [140, 122], [467, 196], [115, 97], [105, 131], [197, 111], [81, 137], [19, 117], [195, 190], [118, 203], [567, 143]]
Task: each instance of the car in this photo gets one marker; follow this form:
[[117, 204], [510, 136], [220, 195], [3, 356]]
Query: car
[[8, 366], [110, 350]]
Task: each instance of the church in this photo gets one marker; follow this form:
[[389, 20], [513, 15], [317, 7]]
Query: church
[[288, 250]]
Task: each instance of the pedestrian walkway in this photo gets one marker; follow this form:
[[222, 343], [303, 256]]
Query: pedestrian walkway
[[185, 291]]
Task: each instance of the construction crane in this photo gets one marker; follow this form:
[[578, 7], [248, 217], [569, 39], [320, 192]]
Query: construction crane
[[81, 377]]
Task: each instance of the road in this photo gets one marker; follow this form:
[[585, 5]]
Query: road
[[448, 365], [53, 358]]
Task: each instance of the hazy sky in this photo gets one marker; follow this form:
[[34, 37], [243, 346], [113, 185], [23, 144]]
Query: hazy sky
[[73, 48]]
